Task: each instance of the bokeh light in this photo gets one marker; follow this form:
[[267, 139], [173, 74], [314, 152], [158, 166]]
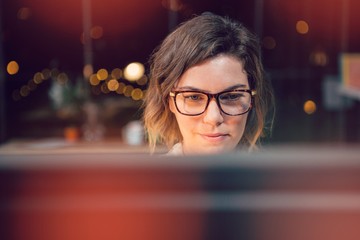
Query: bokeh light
[[113, 85], [319, 58], [24, 91], [104, 88], [302, 27], [12, 67], [62, 78], [54, 72], [102, 74], [38, 77], [32, 85], [309, 107], [116, 73], [121, 88], [128, 90], [88, 70], [142, 81], [134, 71], [137, 94], [94, 80], [46, 73]]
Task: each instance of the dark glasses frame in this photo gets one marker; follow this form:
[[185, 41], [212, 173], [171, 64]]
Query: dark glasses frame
[[210, 97]]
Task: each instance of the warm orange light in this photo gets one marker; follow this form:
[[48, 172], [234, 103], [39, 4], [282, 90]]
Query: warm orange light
[[116, 73], [128, 90], [137, 94], [309, 107], [102, 74], [71, 134], [94, 81], [104, 88], [113, 85], [88, 70], [12, 67], [302, 27], [143, 80], [121, 88]]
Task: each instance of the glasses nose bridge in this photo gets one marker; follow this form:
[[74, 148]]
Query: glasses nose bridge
[[211, 97]]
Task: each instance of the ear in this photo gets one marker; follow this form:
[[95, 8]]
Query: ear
[[172, 105]]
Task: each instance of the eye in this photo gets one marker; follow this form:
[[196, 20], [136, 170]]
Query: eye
[[194, 96], [231, 96]]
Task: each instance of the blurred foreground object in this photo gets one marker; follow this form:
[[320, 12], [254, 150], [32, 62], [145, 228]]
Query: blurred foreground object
[[288, 192], [134, 133]]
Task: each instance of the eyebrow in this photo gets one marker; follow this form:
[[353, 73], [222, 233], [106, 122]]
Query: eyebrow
[[189, 88]]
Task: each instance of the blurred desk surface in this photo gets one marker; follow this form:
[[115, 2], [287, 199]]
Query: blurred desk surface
[[61, 146], [91, 190]]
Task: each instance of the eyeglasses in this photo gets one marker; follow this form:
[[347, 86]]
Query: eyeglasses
[[233, 103]]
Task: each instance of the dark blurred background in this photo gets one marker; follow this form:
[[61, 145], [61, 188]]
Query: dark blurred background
[[64, 63]]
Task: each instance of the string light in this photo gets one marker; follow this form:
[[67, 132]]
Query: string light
[[113, 85], [116, 73], [101, 82], [128, 90], [137, 94], [102, 74], [121, 88], [12, 67], [94, 80]]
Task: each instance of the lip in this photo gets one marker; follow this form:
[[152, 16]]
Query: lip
[[215, 137]]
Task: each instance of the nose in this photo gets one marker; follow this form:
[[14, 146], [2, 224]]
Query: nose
[[213, 114]]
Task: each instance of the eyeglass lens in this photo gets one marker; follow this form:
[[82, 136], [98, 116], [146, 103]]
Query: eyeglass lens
[[231, 103]]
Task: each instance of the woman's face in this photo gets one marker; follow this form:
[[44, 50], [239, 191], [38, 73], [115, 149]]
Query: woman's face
[[212, 131]]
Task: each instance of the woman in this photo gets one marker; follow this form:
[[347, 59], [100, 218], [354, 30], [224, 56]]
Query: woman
[[207, 92]]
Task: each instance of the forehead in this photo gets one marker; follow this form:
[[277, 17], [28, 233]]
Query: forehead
[[214, 75]]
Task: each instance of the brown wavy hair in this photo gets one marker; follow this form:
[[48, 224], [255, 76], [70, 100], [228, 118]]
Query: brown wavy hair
[[194, 41]]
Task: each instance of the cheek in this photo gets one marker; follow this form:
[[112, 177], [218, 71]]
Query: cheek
[[184, 122], [238, 124], [187, 125]]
